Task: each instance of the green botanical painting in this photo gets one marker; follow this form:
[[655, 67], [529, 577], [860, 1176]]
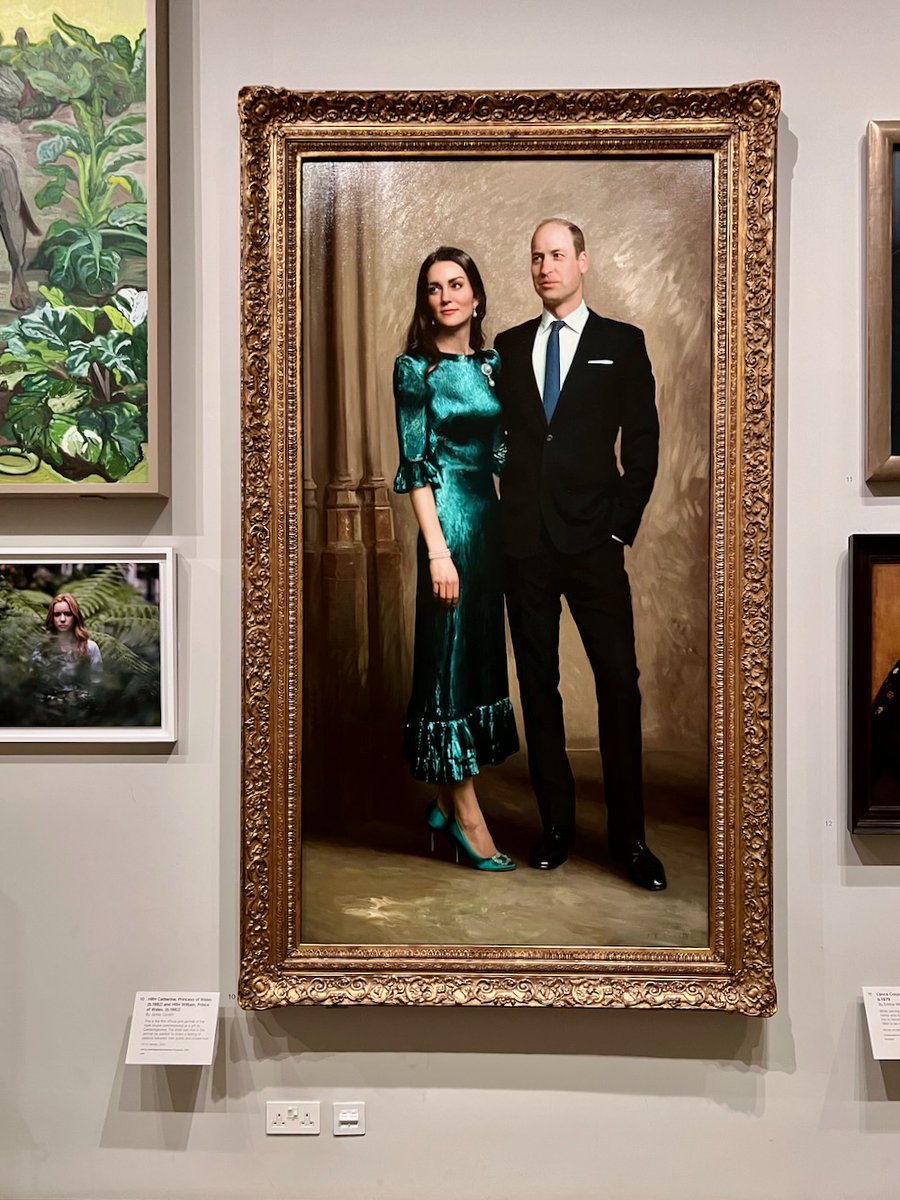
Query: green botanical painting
[[73, 212]]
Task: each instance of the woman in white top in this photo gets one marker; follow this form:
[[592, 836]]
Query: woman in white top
[[71, 663]]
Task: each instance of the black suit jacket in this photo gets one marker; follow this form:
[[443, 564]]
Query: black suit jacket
[[564, 475]]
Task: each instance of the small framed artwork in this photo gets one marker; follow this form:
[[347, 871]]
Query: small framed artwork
[[883, 302], [87, 645], [874, 683], [84, 319]]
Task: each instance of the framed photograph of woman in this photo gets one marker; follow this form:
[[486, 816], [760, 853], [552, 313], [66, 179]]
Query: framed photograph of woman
[[507, 365], [87, 645]]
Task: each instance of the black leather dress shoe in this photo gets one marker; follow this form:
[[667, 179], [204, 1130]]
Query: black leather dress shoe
[[552, 848], [643, 866]]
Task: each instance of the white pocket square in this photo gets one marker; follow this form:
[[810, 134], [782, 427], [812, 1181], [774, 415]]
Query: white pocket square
[[600, 362]]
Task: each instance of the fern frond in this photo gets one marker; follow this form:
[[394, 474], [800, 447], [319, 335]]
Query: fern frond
[[138, 610], [98, 591], [23, 600], [117, 652]]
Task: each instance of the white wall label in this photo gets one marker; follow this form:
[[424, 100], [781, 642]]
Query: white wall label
[[883, 1015], [173, 1027]]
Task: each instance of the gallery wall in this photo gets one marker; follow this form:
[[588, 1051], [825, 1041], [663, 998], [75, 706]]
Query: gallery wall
[[119, 872]]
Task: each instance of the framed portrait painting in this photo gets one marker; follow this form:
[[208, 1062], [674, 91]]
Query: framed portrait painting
[[883, 302], [379, 229], [874, 683], [84, 342], [87, 645]]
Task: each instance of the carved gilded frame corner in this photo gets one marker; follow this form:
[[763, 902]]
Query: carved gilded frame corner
[[882, 465], [735, 129]]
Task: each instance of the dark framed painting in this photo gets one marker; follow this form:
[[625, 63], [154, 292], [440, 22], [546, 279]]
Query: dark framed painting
[[87, 645], [84, 314], [347, 896], [874, 683], [883, 302]]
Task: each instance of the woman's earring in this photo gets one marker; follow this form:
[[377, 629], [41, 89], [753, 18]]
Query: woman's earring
[[475, 311]]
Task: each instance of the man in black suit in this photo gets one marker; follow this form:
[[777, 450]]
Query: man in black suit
[[572, 383]]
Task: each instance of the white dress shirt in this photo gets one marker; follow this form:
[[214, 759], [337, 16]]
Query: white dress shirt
[[569, 336]]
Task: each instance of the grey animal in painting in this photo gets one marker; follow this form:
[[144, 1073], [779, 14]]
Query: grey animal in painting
[[15, 223]]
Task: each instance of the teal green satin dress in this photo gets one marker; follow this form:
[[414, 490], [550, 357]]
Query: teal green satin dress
[[451, 439]]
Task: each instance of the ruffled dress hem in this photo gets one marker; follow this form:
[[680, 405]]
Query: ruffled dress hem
[[451, 751]]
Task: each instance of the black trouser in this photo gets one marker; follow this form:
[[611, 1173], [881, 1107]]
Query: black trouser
[[596, 589]]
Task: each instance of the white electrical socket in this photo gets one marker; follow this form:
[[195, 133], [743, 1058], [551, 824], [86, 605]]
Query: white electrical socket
[[349, 1118], [292, 1116]]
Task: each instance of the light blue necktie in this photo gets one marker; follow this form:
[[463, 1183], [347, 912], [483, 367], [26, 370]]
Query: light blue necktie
[[551, 371]]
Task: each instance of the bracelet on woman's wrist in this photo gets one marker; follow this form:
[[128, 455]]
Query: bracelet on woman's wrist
[[433, 554]]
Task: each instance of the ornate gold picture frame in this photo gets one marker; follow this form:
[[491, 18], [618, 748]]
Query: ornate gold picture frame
[[343, 195], [882, 305]]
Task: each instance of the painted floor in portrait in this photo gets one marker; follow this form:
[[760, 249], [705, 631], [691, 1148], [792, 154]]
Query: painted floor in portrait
[[390, 889]]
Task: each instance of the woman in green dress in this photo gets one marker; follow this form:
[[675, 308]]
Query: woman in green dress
[[451, 445]]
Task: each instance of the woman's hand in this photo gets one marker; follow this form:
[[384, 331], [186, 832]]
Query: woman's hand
[[444, 580]]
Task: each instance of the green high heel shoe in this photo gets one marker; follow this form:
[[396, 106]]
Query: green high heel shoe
[[497, 862], [436, 820]]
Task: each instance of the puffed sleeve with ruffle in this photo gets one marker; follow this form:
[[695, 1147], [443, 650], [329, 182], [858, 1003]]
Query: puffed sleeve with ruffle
[[416, 469]]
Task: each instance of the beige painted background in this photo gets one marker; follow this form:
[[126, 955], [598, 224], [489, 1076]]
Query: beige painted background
[[885, 621], [648, 229]]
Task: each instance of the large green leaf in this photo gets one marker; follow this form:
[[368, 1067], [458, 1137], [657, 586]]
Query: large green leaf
[[127, 429], [129, 213], [61, 128], [124, 160], [118, 320], [79, 36], [107, 438], [128, 240], [55, 326], [21, 358], [114, 350], [52, 193], [67, 435], [80, 264], [139, 67], [61, 143], [139, 351], [127, 122], [122, 428], [73, 83], [86, 316], [133, 187], [28, 421], [122, 48], [114, 85], [121, 136], [133, 302]]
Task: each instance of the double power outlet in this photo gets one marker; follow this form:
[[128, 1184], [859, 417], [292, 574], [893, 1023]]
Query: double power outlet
[[303, 1116]]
